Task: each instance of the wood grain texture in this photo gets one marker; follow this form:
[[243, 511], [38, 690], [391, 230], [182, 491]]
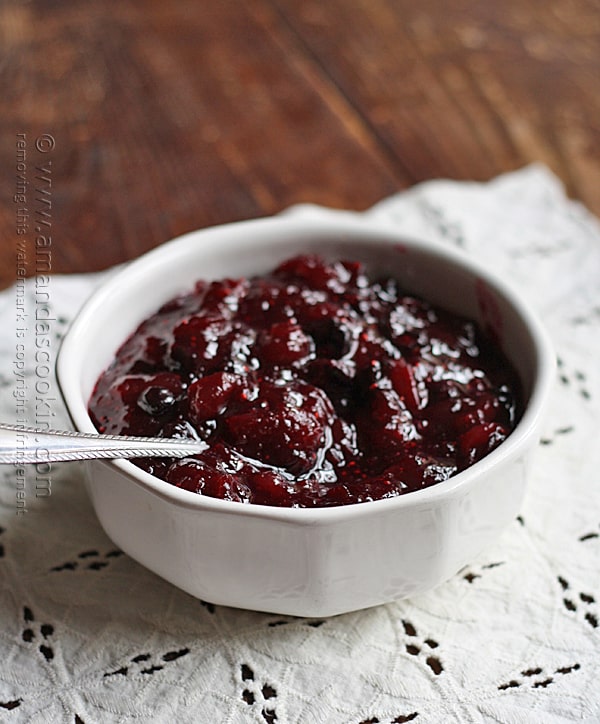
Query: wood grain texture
[[174, 116]]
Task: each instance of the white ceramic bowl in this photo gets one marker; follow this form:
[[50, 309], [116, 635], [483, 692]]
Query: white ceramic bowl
[[299, 561]]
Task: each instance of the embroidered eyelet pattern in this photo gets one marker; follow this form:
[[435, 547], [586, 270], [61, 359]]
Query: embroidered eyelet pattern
[[537, 678], [258, 695], [580, 602], [400, 719], [589, 536], [90, 560], [576, 382], [450, 230], [422, 647], [469, 574], [10, 705], [575, 379], [31, 636], [312, 622], [146, 664], [557, 433], [210, 607]]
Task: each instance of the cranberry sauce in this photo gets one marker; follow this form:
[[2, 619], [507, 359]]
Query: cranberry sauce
[[314, 385]]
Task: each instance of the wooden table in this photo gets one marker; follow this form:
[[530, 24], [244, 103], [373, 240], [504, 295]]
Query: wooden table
[[149, 119]]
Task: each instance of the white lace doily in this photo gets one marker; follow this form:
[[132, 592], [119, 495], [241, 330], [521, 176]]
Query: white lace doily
[[88, 635]]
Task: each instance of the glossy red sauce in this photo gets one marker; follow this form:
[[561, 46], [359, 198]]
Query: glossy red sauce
[[313, 385]]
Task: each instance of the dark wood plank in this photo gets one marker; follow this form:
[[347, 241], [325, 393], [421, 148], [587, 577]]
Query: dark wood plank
[[169, 118], [467, 89], [174, 116]]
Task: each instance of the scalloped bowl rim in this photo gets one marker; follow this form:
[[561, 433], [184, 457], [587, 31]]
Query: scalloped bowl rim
[[520, 438]]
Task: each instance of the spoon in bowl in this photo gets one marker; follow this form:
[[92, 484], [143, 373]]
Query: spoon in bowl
[[21, 445]]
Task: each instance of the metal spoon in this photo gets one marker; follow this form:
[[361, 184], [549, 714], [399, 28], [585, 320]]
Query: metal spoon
[[20, 445]]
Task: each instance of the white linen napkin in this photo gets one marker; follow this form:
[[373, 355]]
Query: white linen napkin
[[88, 635]]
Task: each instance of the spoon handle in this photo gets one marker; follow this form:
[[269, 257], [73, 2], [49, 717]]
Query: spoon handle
[[20, 445]]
